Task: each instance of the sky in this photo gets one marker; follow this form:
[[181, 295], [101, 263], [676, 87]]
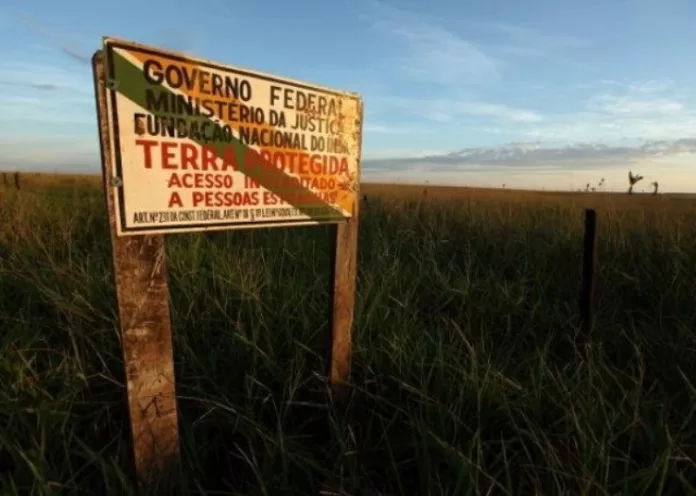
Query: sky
[[541, 94]]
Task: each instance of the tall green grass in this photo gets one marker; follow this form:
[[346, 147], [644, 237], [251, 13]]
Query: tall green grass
[[465, 376]]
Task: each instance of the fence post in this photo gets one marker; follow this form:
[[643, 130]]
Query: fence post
[[16, 179], [589, 261]]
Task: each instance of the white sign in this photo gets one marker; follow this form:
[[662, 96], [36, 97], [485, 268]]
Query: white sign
[[201, 146]]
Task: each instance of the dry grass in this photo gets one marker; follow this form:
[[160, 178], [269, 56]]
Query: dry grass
[[466, 380], [37, 181], [608, 202]]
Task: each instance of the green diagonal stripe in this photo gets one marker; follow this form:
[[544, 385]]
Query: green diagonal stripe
[[133, 85]]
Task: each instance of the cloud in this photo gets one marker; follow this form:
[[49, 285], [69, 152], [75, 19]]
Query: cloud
[[496, 110], [376, 128], [628, 105], [31, 69], [431, 52], [644, 87], [184, 41], [48, 113], [451, 109], [637, 110], [638, 98], [590, 127], [62, 43], [36, 86], [535, 157], [525, 42], [42, 93], [33, 112], [381, 157], [527, 36]]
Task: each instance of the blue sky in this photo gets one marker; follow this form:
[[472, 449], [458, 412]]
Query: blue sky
[[546, 94]]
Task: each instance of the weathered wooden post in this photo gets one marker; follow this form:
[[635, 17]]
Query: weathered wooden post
[[345, 267], [142, 293]]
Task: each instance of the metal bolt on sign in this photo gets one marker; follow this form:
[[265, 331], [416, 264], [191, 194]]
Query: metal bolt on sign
[[112, 84]]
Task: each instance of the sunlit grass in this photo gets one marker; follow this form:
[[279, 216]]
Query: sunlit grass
[[465, 379]]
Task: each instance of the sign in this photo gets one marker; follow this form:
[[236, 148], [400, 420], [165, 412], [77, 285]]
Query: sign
[[202, 146], [187, 145]]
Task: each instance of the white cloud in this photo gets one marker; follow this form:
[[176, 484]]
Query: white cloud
[[376, 128], [449, 109], [496, 110], [525, 42], [48, 117], [68, 45], [527, 36], [45, 107], [404, 152], [652, 110], [44, 75], [627, 104], [431, 53], [536, 157], [37, 93], [523, 51], [646, 87], [600, 128]]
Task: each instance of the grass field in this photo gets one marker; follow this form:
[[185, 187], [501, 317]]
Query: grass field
[[465, 380]]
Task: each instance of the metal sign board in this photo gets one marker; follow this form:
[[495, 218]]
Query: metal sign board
[[202, 146]]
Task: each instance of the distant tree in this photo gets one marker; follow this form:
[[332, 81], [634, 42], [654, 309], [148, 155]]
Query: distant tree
[[632, 181], [655, 185], [593, 190], [587, 187]]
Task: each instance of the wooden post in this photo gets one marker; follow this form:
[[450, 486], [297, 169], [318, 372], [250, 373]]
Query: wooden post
[[16, 179], [589, 257], [143, 306], [343, 302], [344, 278]]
